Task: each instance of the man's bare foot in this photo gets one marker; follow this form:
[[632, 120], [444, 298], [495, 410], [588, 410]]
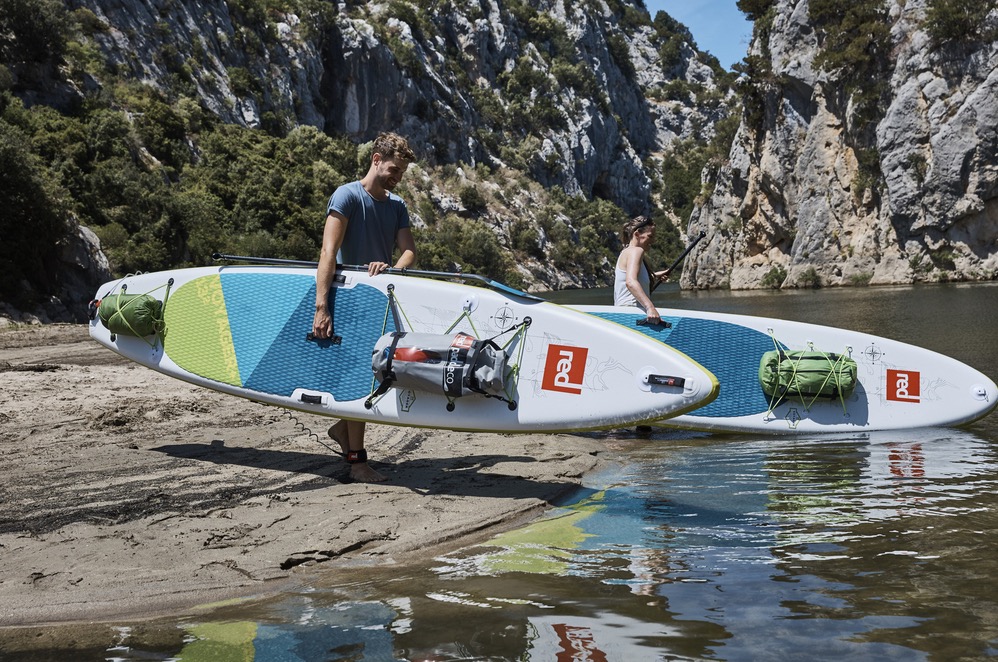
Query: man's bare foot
[[363, 473], [338, 433]]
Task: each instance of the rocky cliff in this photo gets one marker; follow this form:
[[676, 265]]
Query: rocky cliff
[[81, 267], [461, 80], [837, 180]]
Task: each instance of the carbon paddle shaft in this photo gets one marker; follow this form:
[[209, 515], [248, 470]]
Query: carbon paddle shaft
[[682, 256], [445, 275]]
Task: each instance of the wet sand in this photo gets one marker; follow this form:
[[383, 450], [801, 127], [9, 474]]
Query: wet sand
[[128, 494]]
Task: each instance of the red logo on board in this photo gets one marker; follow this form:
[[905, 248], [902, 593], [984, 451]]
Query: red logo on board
[[577, 643], [564, 369], [904, 385]]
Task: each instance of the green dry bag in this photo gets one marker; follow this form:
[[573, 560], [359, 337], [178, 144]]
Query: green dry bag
[[807, 374], [138, 315]]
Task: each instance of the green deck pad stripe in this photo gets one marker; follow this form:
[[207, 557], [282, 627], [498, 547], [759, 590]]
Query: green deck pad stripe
[[198, 337]]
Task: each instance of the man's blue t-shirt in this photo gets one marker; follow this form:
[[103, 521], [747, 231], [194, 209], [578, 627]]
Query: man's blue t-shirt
[[371, 224]]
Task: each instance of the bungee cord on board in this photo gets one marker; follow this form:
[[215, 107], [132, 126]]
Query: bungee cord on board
[[823, 375]]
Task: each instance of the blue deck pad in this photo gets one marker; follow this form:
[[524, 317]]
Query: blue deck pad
[[730, 351], [258, 306], [280, 359]]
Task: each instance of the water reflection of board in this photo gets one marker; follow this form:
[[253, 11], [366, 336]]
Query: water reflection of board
[[576, 638], [245, 331], [900, 386]]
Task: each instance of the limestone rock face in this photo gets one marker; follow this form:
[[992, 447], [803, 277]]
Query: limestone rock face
[[85, 267], [792, 199], [204, 44], [597, 150], [359, 69]]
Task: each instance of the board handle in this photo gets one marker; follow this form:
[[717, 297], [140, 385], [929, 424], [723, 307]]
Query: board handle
[[334, 340]]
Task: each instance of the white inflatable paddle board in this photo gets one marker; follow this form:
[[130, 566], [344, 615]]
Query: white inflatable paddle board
[[245, 330], [900, 386]]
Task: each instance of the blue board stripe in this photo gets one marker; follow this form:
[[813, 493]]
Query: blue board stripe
[[258, 307], [270, 316], [343, 370], [730, 351]]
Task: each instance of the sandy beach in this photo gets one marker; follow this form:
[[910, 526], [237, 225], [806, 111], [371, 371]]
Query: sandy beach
[[126, 493]]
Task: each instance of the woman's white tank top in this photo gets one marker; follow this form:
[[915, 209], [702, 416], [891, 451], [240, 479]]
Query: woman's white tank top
[[621, 295]]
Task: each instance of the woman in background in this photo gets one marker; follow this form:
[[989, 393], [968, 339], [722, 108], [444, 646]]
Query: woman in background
[[632, 279]]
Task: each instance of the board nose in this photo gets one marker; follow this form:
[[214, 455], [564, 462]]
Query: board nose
[[985, 391]]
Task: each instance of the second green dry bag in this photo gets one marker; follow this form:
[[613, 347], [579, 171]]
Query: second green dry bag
[[807, 374]]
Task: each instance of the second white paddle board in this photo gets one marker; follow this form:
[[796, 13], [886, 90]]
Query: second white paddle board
[[899, 385]]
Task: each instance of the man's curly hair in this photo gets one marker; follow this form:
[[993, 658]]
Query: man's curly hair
[[393, 146]]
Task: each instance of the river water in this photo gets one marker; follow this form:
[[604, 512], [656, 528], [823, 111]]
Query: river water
[[693, 546]]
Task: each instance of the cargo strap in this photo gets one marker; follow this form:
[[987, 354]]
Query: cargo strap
[[520, 329], [833, 364], [389, 378], [396, 314]]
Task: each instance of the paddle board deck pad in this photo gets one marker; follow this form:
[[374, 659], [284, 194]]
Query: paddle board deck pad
[[899, 386], [245, 330]]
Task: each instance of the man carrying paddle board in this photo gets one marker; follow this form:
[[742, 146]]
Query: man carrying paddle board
[[365, 223]]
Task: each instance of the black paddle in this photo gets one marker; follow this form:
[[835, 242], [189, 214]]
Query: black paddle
[[682, 256], [662, 323], [445, 275]]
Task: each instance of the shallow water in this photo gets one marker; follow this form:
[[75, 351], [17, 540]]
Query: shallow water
[[875, 546]]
